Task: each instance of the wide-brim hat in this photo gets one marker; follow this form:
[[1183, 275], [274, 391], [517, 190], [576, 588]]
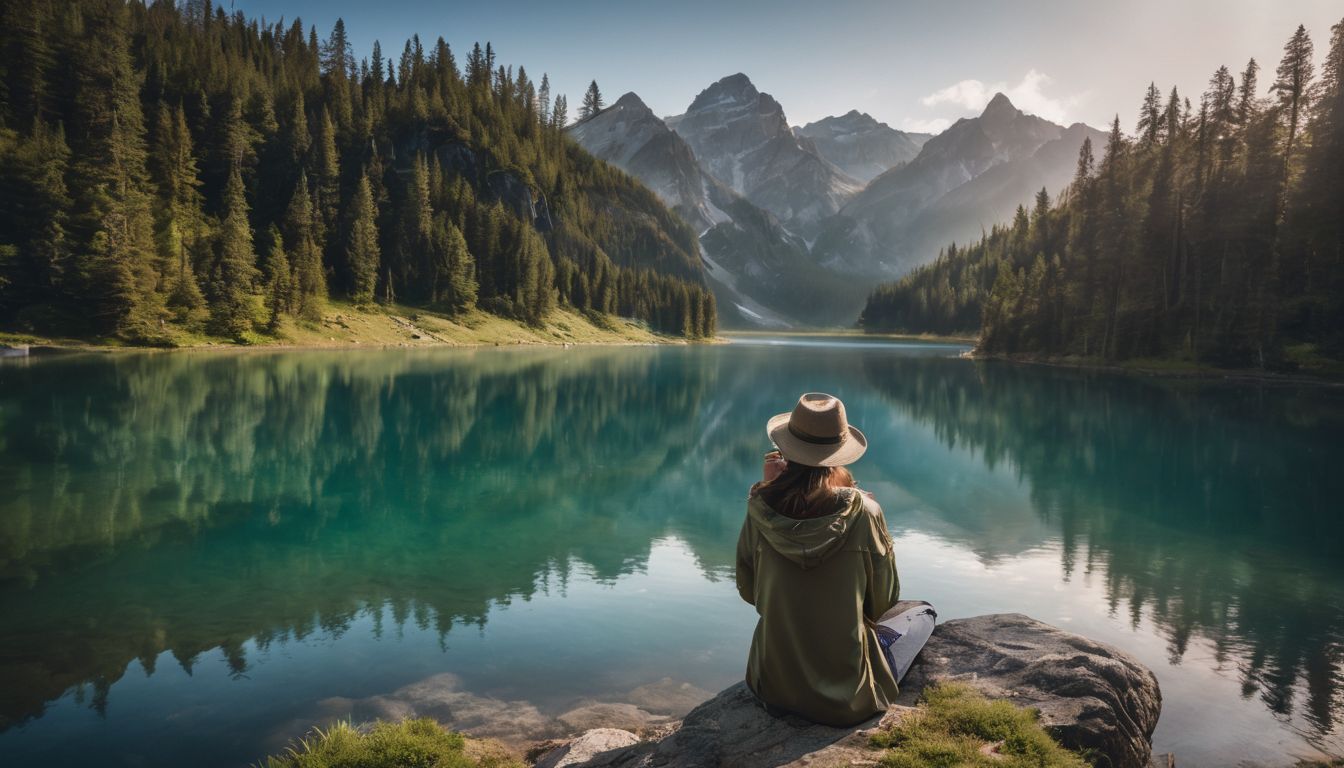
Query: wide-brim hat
[[817, 433]]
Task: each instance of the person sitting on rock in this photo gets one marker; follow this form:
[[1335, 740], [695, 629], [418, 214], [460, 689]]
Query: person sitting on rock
[[816, 560]]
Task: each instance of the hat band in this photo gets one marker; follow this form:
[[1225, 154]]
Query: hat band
[[814, 439]]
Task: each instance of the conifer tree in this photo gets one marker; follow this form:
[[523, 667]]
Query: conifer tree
[[1150, 118], [113, 203], [234, 269], [309, 283], [182, 229], [361, 249], [324, 173], [560, 113], [452, 276], [279, 279], [1246, 93], [296, 140], [592, 102], [544, 100], [1292, 88], [412, 260]]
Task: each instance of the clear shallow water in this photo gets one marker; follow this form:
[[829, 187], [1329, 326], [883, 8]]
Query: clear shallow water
[[202, 554]]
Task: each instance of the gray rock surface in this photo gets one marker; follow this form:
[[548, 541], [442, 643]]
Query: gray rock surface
[[1091, 696], [861, 146], [587, 747], [743, 139]]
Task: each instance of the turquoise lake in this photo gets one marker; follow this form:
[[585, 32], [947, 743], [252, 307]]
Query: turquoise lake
[[202, 554]]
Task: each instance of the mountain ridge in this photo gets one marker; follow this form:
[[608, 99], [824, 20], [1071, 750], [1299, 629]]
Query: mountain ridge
[[860, 145]]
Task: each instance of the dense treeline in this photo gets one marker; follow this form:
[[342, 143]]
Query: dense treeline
[[1215, 234], [171, 167]]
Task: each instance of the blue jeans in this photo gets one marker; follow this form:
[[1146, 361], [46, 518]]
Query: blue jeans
[[902, 635]]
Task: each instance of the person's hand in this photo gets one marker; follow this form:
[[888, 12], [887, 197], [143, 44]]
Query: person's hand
[[774, 466]]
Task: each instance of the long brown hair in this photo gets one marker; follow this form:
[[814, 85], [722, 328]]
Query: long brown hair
[[800, 490]]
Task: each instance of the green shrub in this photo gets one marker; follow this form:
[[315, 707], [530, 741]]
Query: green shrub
[[954, 726], [408, 744]]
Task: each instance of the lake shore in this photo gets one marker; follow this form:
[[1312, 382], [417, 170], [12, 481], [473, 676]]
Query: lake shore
[[1171, 369], [345, 326], [855, 333]]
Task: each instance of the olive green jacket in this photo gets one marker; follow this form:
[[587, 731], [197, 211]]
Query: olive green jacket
[[817, 584]]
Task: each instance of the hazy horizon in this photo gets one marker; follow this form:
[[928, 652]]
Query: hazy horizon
[[914, 67]]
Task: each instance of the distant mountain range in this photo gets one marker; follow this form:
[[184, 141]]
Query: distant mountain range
[[964, 181], [796, 224]]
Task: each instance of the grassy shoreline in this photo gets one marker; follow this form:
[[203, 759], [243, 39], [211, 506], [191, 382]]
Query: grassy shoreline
[[345, 326]]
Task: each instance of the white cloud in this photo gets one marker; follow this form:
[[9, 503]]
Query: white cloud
[[932, 125], [1028, 95]]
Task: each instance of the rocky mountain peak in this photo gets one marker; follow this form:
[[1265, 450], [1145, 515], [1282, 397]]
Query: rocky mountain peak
[[999, 108], [733, 89], [631, 101]]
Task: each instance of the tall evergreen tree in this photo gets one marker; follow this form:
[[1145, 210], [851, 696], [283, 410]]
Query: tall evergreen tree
[[452, 276], [592, 102], [1292, 88], [309, 282], [1150, 118], [234, 269], [325, 173], [560, 113], [361, 249], [544, 100], [113, 208], [279, 280], [182, 231]]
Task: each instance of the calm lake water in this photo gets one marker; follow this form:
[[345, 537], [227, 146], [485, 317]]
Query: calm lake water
[[202, 554]]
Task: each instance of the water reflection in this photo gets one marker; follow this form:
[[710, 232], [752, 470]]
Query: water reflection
[[179, 503], [184, 503], [1214, 507]]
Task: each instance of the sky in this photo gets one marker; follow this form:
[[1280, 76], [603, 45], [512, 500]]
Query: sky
[[914, 65]]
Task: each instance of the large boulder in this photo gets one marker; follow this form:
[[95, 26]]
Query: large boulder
[[1091, 696]]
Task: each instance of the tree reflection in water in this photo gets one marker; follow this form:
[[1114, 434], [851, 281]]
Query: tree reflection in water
[[187, 502], [1215, 506]]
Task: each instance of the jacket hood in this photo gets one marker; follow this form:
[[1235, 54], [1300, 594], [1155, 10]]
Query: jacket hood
[[809, 541]]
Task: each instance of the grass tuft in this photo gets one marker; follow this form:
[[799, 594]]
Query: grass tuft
[[955, 726], [418, 743]]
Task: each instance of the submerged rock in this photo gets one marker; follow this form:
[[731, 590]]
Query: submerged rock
[[1090, 695]]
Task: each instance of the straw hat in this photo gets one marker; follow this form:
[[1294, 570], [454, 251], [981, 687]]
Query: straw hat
[[817, 433]]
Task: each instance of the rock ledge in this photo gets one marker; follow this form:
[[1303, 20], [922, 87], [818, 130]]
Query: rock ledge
[[1090, 695]]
